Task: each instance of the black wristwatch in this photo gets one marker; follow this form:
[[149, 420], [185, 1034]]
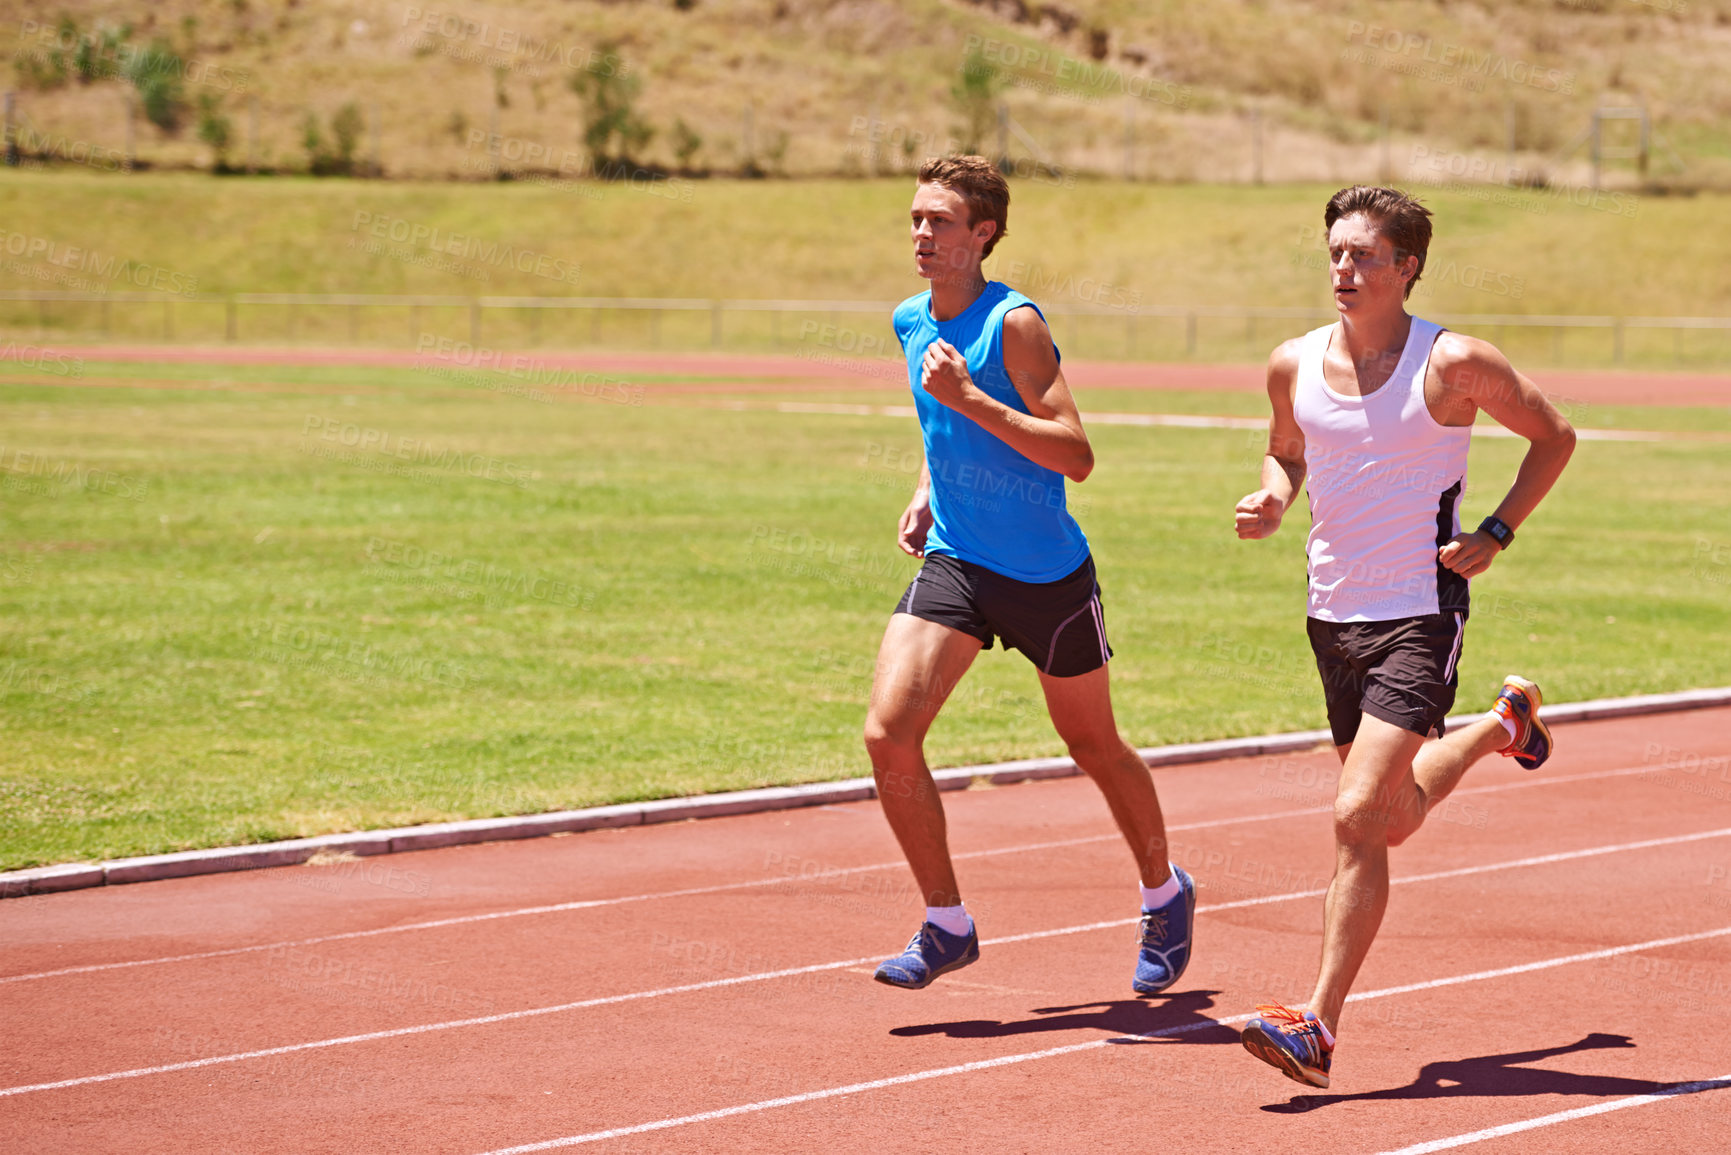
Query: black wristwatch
[[1499, 531]]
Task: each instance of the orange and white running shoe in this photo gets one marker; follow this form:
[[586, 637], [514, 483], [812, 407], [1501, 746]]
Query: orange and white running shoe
[[1519, 705], [1291, 1042]]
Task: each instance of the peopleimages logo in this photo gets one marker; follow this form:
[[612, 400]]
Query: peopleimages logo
[[511, 41], [1425, 50], [402, 231], [75, 258], [129, 57], [354, 444]]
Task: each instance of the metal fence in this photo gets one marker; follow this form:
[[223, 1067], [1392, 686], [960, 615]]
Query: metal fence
[[1141, 332]]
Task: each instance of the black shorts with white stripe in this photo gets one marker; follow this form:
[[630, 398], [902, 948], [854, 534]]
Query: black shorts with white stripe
[[1059, 626], [1404, 672]]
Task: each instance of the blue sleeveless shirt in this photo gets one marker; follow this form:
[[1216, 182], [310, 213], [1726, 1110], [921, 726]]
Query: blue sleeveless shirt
[[990, 505]]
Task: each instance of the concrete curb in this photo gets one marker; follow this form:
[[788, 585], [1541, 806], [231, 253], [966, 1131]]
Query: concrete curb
[[148, 868]]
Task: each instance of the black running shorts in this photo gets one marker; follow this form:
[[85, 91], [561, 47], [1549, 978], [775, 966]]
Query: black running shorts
[[1059, 626], [1404, 672]]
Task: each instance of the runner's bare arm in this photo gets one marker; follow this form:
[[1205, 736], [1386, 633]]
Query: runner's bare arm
[[1050, 433], [1259, 514], [1477, 373], [916, 520]]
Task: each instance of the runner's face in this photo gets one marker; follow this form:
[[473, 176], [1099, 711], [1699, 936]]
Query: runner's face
[[946, 247], [1363, 271]]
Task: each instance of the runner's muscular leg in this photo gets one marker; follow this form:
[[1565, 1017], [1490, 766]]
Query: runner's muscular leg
[[1081, 710], [1377, 794], [918, 664], [1437, 769]]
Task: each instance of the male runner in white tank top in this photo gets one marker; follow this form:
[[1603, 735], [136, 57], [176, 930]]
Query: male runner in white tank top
[[1373, 415]]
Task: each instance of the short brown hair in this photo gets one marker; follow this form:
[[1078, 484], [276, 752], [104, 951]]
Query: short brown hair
[[980, 185], [1396, 215]]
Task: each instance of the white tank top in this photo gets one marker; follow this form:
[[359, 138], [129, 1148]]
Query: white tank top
[[1384, 481]]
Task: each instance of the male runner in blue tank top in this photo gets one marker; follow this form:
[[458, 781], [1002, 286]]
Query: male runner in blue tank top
[[1377, 412], [1003, 559]]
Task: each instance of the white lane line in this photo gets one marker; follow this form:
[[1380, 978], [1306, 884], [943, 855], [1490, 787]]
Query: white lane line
[[1051, 1052], [807, 1097], [836, 872], [1537, 780], [1659, 1096], [764, 976], [586, 904], [1176, 420]]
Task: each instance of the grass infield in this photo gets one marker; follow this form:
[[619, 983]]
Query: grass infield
[[1116, 248], [354, 598]]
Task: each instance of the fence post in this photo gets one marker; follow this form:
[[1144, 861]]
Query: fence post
[[168, 318], [1386, 168], [474, 322], [1256, 146], [11, 137], [715, 324], [230, 320], [1596, 149], [1129, 137], [1617, 340], [378, 165], [493, 145], [1190, 334]]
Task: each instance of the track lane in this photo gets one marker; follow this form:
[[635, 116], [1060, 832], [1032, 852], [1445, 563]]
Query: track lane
[[1012, 982]]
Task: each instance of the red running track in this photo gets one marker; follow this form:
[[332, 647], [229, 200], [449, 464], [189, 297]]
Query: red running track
[[1556, 943]]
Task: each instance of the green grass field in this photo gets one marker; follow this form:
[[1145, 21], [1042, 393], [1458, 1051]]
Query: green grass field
[[1108, 245], [223, 622]]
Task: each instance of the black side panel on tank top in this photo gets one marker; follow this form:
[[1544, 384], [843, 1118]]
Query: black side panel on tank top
[[1451, 588]]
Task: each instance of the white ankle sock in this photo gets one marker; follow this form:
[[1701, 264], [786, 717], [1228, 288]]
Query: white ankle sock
[[1508, 723], [1327, 1035], [1154, 897], [950, 919]]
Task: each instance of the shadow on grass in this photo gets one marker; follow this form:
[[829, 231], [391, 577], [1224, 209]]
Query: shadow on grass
[[1499, 1075], [1134, 1020]]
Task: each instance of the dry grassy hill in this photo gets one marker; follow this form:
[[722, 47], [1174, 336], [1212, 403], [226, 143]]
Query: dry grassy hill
[[1167, 90]]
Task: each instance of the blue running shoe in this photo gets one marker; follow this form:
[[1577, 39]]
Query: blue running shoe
[[1165, 939], [1290, 1042], [931, 952], [1519, 704]]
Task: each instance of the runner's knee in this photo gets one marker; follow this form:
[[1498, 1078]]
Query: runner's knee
[[884, 739], [1362, 819], [1095, 749]]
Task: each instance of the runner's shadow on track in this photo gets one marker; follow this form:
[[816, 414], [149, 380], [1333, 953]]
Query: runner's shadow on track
[[1137, 1020], [1497, 1075]]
